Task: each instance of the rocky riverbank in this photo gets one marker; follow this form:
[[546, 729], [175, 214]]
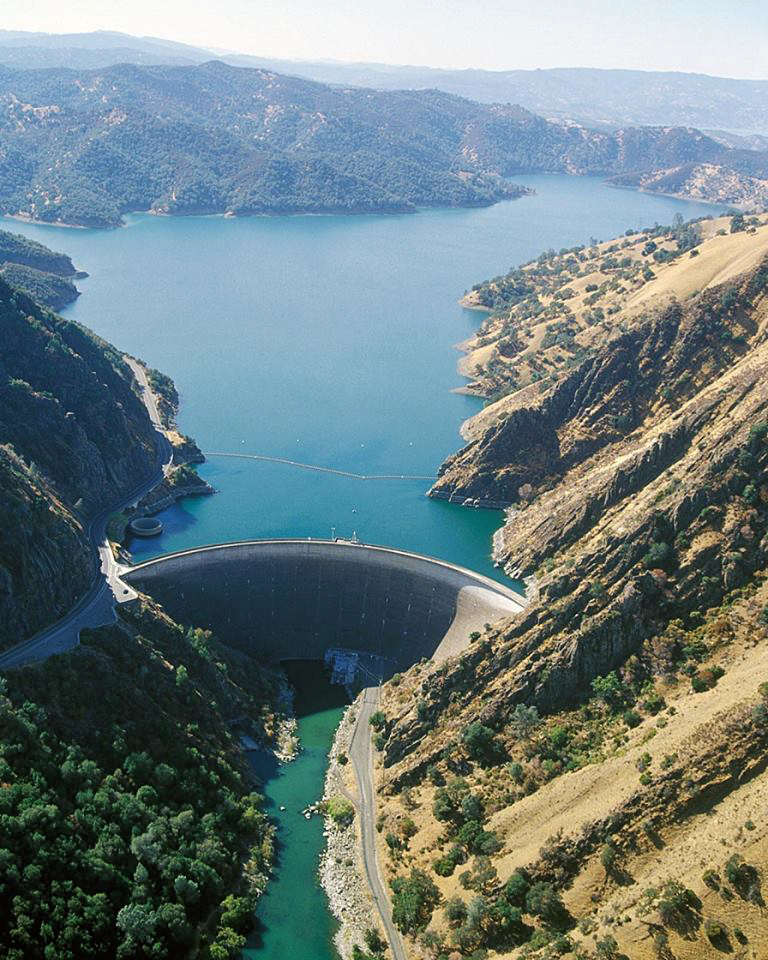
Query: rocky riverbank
[[341, 868], [286, 740]]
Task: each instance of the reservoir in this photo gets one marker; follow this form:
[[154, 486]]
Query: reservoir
[[327, 340], [330, 341]]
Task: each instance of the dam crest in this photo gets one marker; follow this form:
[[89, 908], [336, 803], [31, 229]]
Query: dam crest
[[294, 599]]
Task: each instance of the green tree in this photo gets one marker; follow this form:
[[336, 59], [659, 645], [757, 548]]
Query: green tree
[[413, 900]]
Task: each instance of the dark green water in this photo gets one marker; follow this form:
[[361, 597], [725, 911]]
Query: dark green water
[[294, 921], [328, 340]]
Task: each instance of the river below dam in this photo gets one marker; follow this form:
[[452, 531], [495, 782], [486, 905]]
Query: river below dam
[[329, 341]]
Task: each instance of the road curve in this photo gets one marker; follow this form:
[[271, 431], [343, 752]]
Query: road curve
[[96, 607], [361, 754]]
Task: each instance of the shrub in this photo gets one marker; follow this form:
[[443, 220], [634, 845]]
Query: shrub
[[408, 828], [377, 720], [435, 776], [516, 888], [698, 684], [657, 556], [543, 901], [445, 865], [341, 810], [676, 900], [607, 948], [374, 941], [455, 911], [653, 702], [524, 721], [714, 930], [393, 841], [480, 743], [558, 737], [757, 434], [743, 877], [607, 688], [413, 900], [750, 494], [516, 772], [609, 857], [632, 718]]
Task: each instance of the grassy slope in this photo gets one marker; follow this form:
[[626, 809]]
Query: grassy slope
[[679, 787]]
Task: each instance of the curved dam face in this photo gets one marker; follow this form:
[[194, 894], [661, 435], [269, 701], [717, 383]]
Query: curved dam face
[[293, 599]]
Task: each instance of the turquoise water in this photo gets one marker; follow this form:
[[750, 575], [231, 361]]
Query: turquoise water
[[328, 340], [293, 919]]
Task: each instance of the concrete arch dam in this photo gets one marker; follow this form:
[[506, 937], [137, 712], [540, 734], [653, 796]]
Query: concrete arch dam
[[290, 599]]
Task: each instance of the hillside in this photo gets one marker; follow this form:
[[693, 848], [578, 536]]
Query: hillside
[[130, 826], [88, 146], [588, 779], [76, 436], [36, 270], [610, 97]]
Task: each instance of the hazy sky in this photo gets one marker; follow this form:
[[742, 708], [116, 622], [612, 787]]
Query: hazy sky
[[726, 37]]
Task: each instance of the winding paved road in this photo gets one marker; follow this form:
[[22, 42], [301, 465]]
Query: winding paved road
[[96, 607], [361, 754]]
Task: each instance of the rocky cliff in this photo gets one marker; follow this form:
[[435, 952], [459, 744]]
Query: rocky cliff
[[579, 740], [75, 437]]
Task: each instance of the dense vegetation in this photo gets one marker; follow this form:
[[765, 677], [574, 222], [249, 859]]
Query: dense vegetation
[[85, 147], [41, 273], [14, 248], [75, 435], [46, 288], [128, 825]]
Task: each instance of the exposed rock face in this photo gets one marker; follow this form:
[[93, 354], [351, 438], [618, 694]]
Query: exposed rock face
[[75, 436], [627, 527]]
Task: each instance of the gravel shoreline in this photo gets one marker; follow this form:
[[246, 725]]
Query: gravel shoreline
[[341, 869]]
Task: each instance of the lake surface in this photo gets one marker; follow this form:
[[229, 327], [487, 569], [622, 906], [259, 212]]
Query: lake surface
[[328, 340]]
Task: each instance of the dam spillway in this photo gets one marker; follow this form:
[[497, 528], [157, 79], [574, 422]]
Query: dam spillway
[[293, 599]]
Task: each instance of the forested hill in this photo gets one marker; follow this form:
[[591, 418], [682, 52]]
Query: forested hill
[[38, 271], [75, 436], [87, 146]]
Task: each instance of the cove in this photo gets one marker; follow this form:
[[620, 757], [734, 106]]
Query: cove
[[328, 340]]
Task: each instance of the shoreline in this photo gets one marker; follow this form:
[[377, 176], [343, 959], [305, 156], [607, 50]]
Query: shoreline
[[342, 876], [409, 211]]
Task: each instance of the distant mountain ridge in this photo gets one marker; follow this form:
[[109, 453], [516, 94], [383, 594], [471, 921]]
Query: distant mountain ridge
[[596, 96], [85, 147]]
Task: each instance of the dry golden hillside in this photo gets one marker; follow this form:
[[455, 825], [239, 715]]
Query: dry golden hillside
[[588, 779]]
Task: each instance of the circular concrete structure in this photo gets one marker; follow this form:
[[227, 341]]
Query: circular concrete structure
[[288, 599], [146, 526]]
